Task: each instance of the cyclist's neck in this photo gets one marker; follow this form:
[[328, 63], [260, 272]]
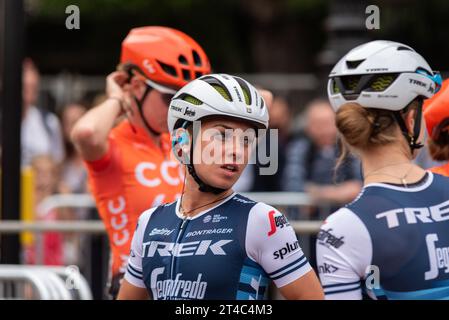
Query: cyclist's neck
[[144, 132], [195, 201], [389, 164]]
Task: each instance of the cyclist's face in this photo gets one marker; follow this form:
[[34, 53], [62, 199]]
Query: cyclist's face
[[155, 108], [222, 151]]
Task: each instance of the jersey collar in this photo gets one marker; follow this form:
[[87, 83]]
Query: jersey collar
[[421, 187], [180, 216], [139, 135]]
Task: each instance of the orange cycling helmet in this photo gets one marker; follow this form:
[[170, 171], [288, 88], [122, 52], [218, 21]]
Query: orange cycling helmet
[[166, 56], [436, 111]]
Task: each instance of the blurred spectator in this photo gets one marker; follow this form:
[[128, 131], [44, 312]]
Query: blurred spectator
[[73, 172], [251, 179], [46, 180], [310, 162], [41, 132]]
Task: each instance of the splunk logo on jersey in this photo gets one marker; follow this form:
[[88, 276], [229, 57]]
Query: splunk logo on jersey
[[438, 257], [170, 289], [327, 268], [194, 248], [289, 248], [277, 220], [436, 213]]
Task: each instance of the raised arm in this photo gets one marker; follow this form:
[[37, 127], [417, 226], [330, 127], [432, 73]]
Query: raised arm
[[90, 133]]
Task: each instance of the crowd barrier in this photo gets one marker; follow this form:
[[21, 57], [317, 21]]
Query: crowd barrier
[[42, 283]]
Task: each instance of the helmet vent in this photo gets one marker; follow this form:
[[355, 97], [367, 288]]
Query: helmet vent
[[192, 99], [186, 74], [182, 59], [422, 70], [335, 88], [382, 82], [222, 91], [196, 58], [198, 74], [245, 89], [354, 64], [350, 82], [219, 86], [168, 69], [402, 48]]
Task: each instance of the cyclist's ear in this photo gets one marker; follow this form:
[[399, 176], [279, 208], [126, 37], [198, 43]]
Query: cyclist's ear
[[181, 145], [137, 86]]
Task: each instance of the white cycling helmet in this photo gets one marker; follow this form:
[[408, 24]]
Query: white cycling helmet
[[381, 74], [214, 95], [217, 95]]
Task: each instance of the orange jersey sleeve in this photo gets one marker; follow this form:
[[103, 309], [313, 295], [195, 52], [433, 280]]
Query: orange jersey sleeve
[[133, 176], [442, 170]]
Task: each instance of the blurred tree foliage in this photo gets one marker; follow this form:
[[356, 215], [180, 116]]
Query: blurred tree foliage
[[238, 35], [420, 24]]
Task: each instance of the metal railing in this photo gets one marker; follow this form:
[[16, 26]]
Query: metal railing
[[97, 227], [42, 282]]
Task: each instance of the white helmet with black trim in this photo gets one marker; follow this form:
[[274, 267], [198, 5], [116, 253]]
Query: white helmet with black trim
[[213, 95], [381, 74], [384, 75], [218, 95]]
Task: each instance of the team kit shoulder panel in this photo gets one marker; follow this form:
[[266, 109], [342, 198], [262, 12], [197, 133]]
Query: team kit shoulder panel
[[216, 254], [410, 243]]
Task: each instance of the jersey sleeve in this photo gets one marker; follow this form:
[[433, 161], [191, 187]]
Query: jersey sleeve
[[344, 251], [104, 164], [271, 242], [133, 272]]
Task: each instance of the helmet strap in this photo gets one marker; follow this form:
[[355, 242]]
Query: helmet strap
[[202, 186], [139, 104], [411, 139]]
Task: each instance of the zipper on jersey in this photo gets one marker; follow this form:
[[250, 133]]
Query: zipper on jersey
[[178, 237]]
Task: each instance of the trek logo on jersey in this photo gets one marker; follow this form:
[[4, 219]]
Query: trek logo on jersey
[[194, 248], [176, 289], [161, 232], [327, 268], [276, 222], [438, 257], [288, 249], [326, 238], [437, 213], [236, 198]]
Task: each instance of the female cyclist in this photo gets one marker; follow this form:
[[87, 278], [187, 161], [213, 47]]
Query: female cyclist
[[436, 113], [129, 168], [213, 243], [392, 241]]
